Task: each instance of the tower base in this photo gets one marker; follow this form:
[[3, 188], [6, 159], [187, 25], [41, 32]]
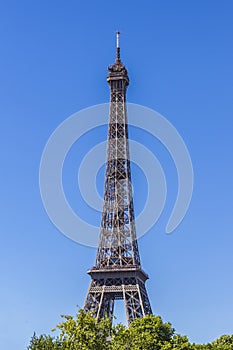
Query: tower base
[[126, 283]]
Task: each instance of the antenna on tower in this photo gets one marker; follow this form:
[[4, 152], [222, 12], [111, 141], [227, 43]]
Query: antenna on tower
[[118, 47]]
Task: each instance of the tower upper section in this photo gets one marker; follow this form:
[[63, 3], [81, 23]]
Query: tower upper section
[[118, 76], [118, 243]]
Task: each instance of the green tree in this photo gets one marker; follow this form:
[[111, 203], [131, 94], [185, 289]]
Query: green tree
[[208, 346], [180, 342], [80, 333], [225, 342], [150, 333], [84, 332], [120, 339], [44, 342]]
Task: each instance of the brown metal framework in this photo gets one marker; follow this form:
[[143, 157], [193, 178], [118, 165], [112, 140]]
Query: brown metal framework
[[117, 273]]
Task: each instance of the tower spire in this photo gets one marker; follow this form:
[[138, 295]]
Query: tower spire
[[118, 58]]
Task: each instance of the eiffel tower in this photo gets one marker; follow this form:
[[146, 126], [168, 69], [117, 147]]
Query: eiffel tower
[[117, 273]]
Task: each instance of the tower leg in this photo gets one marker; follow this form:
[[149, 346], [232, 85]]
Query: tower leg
[[136, 302], [99, 303]]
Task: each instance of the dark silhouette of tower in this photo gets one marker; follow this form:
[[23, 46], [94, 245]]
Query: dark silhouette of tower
[[117, 273]]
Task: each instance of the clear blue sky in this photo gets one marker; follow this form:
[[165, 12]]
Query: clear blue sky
[[53, 58]]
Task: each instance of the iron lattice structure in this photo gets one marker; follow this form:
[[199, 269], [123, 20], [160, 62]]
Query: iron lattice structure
[[117, 273]]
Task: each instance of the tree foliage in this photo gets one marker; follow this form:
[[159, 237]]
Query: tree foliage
[[44, 342], [225, 342], [84, 332]]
